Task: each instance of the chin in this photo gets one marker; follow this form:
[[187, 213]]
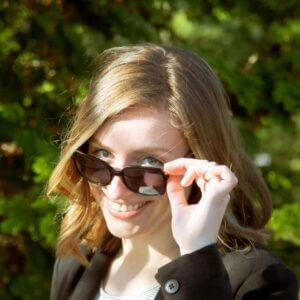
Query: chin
[[121, 228], [123, 231]]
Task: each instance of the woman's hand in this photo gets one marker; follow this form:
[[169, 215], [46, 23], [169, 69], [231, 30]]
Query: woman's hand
[[196, 226]]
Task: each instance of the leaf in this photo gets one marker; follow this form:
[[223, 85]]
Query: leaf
[[285, 223]]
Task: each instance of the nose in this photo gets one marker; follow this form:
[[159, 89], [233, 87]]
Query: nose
[[116, 189]]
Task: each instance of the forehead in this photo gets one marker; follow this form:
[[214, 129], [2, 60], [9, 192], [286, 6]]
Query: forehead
[[138, 128]]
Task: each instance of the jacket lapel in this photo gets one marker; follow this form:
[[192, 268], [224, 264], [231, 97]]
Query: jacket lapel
[[89, 283]]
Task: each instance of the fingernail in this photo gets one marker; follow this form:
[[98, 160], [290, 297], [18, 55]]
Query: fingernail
[[183, 182]]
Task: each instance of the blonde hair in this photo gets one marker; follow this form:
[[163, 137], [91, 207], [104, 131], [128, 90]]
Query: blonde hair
[[187, 88]]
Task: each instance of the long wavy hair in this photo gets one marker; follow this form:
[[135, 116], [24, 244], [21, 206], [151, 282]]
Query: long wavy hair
[[187, 88]]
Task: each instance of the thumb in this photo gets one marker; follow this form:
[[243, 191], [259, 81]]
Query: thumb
[[176, 193]]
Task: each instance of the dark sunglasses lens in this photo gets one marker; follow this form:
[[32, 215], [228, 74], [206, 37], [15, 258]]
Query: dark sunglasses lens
[[93, 169], [145, 181]]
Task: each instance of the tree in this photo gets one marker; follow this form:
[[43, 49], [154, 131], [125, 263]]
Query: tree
[[47, 48]]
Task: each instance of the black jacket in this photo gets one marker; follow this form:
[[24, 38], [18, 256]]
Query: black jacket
[[203, 274]]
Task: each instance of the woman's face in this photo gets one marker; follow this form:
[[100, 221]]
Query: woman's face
[[140, 136]]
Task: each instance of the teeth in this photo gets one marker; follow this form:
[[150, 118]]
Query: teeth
[[126, 208]]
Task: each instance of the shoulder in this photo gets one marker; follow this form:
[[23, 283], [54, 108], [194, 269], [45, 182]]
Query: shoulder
[[205, 274], [66, 273], [257, 273]]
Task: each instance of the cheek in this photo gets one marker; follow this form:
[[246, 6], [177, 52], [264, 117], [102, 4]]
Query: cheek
[[163, 204], [96, 192], [162, 213]]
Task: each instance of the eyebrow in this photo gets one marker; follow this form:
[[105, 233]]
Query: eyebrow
[[144, 150]]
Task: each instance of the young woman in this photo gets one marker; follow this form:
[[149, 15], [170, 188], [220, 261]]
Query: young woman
[[163, 202]]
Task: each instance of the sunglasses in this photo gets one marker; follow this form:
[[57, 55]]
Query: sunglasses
[[148, 181]]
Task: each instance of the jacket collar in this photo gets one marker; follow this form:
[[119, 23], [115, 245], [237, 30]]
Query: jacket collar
[[89, 283]]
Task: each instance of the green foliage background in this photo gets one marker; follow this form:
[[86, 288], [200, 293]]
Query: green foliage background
[[46, 48]]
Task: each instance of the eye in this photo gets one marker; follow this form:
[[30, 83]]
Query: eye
[[102, 153], [151, 161]]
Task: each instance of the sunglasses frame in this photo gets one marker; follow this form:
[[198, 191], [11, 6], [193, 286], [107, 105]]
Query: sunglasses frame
[[120, 173]]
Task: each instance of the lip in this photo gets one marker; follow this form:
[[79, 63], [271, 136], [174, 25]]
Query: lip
[[126, 214]]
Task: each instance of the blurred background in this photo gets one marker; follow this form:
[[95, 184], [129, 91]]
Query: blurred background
[[46, 51]]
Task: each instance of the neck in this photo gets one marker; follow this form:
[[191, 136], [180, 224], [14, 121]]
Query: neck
[[164, 248], [138, 260], [153, 250]]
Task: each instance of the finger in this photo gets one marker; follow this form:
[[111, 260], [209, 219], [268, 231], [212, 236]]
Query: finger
[[211, 164], [189, 177], [201, 184], [214, 180], [195, 172], [223, 172], [205, 179], [175, 193], [180, 165], [208, 176]]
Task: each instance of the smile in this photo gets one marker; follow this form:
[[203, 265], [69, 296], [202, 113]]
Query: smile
[[126, 208], [123, 211]]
